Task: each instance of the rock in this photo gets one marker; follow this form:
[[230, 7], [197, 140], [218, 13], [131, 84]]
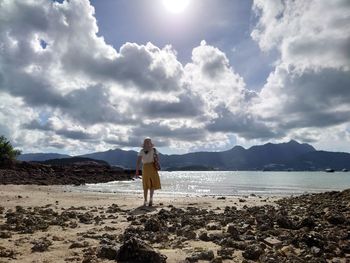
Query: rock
[[114, 208], [252, 252], [288, 251], [5, 234], [152, 224], [203, 235], [226, 253], [73, 173], [216, 237], [316, 251], [20, 209], [77, 244], [307, 222], [86, 218], [213, 226], [285, 222], [206, 255], [41, 245], [90, 259], [232, 230], [273, 242], [203, 255], [108, 252], [69, 214], [190, 234], [312, 239], [57, 238], [336, 218], [7, 253], [345, 248], [216, 260], [135, 250]]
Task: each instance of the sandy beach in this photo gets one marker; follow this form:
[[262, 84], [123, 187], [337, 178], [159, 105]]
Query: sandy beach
[[53, 224], [59, 199]]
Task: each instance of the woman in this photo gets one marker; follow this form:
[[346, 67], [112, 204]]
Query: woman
[[150, 177]]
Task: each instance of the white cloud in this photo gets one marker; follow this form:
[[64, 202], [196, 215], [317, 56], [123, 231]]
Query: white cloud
[[66, 88], [309, 34], [55, 63], [309, 87]]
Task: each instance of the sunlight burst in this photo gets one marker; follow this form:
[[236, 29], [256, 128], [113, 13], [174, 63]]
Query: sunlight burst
[[176, 6]]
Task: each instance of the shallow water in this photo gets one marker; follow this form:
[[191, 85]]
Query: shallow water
[[232, 183]]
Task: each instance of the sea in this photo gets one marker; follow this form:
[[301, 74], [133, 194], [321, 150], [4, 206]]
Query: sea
[[230, 183]]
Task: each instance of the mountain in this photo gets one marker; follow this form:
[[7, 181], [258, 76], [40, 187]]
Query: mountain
[[238, 158], [321, 160], [72, 160], [282, 156], [41, 156], [118, 157]]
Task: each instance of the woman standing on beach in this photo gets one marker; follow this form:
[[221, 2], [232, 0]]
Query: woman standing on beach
[[148, 155]]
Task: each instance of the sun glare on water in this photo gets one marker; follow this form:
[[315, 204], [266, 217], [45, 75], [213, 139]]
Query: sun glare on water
[[176, 6]]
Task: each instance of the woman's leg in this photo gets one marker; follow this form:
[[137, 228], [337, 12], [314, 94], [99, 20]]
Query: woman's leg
[[151, 192], [145, 192]]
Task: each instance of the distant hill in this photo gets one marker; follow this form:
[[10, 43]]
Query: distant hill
[[238, 158], [117, 157], [321, 160], [72, 160], [41, 156], [282, 156]]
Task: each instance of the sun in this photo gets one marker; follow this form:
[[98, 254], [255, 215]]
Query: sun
[[176, 6]]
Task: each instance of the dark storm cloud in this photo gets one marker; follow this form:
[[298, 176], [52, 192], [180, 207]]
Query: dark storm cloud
[[36, 125], [187, 106], [75, 135], [242, 124], [34, 90], [92, 105], [164, 132], [67, 133], [317, 99]]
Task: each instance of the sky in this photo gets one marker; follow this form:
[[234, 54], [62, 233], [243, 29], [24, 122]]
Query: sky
[[82, 76]]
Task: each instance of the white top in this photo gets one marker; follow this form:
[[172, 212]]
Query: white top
[[147, 157]]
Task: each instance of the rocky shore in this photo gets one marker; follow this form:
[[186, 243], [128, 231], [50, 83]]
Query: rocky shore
[[47, 174], [307, 228]]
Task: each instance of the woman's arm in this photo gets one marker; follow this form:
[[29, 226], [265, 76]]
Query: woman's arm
[[138, 162]]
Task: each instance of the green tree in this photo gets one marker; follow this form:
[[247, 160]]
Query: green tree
[[7, 152]]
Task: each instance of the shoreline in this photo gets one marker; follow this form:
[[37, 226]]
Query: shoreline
[[36, 195], [50, 224]]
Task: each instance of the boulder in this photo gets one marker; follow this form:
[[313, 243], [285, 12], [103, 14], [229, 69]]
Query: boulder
[[252, 252], [135, 250], [108, 252]]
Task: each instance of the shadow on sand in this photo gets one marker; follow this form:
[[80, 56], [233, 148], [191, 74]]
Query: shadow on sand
[[143, 210]]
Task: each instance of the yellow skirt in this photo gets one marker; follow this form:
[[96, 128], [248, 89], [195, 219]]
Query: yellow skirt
[[150, 177]]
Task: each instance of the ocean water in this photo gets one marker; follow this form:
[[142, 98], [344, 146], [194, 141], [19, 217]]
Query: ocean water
[[236, 183]]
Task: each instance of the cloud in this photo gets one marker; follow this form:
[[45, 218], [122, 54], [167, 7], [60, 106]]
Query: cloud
[[62, 84], [163, 131], [185, 105], [81, 83], [242, 124], [310, 84], [304, 38]]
